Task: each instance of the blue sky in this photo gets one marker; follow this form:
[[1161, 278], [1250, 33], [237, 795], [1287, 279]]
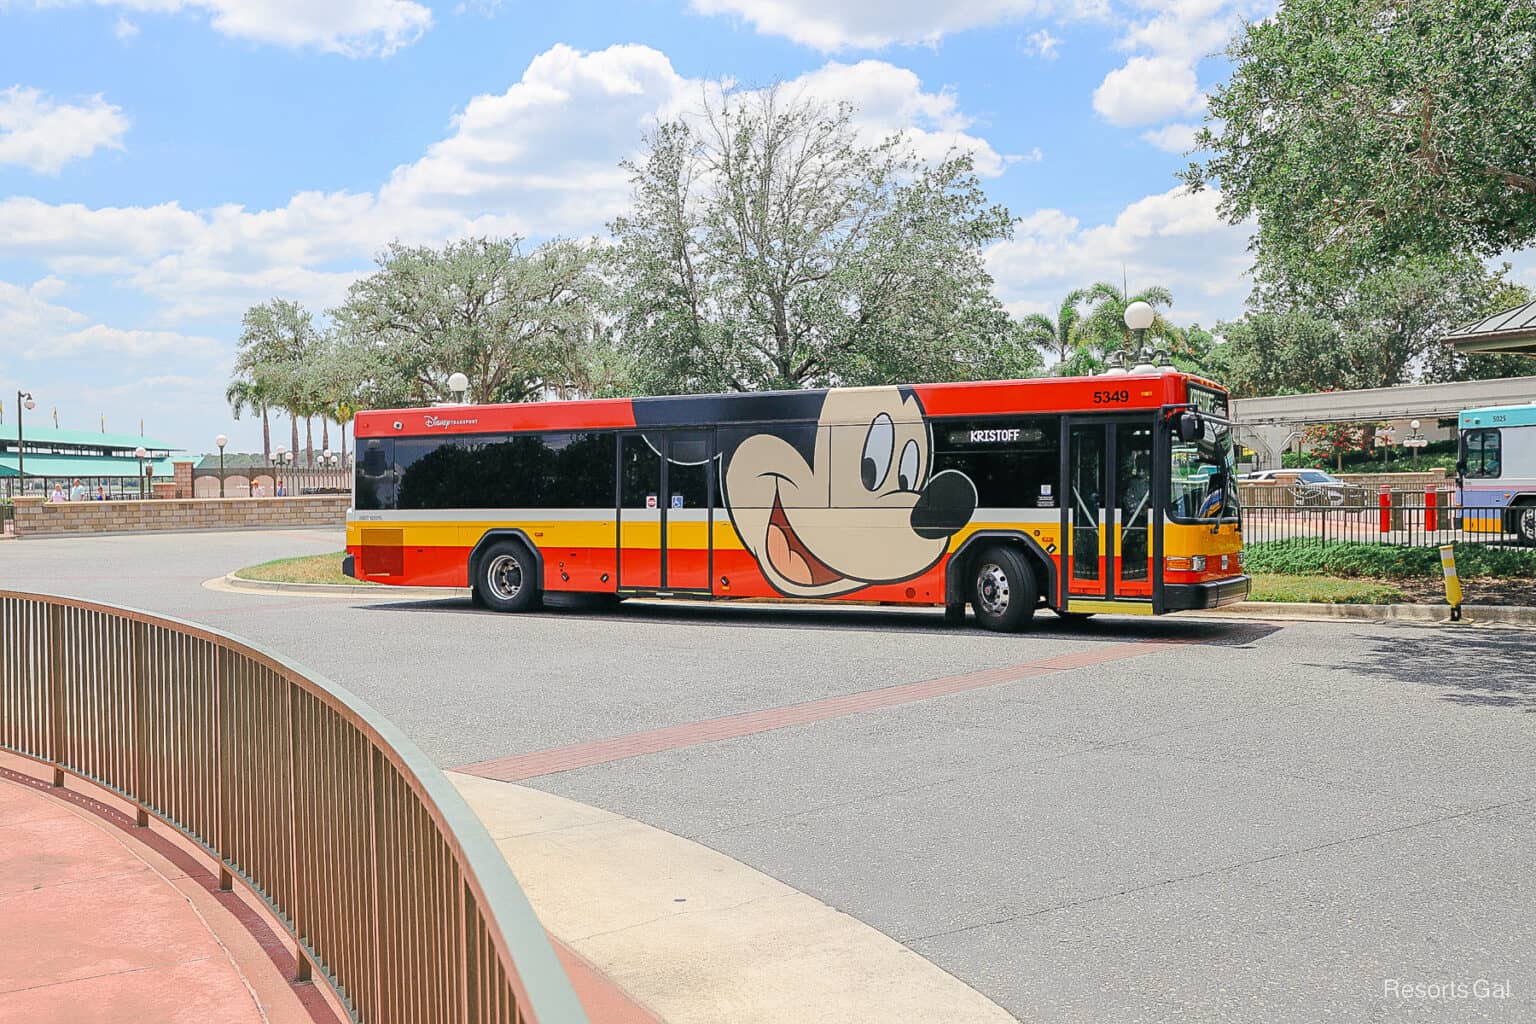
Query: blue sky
[[166, 163]]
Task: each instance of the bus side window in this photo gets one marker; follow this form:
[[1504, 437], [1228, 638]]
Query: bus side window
[[1014, 463], [1483, 453]]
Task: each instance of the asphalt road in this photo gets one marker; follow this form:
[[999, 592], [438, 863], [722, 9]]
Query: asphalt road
[[1233, 821]]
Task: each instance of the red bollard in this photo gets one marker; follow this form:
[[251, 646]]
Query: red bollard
[[1431, 511], [1386, 509]]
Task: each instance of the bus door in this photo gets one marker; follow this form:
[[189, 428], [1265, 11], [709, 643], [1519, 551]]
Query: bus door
[[1086, 503], [1107, 509], [666, 510]]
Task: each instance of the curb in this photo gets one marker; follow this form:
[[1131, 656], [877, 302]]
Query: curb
[[1431, 613], [232, 582]]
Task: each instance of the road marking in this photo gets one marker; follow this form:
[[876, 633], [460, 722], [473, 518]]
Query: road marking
[[712, 730]]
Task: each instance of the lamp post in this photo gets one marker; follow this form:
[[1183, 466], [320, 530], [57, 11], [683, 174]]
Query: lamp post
[[459, 385], [139, 453], [23, 401], [1138, 317], [221, 441]]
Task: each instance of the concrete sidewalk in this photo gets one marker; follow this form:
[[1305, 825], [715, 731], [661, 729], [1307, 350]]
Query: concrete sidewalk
[[106, 922]]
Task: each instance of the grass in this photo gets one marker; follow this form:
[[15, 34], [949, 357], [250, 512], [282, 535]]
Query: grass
[[1310, 556], [305, 569], [1322, 590]]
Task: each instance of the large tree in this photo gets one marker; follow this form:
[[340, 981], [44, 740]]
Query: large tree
[[1381, 330], [513, 323], [768, 247], [1362, 131], [276, 339]]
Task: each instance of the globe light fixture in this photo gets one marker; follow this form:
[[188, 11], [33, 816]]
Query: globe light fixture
[[1139, 316], [459, 385], [221, 441]]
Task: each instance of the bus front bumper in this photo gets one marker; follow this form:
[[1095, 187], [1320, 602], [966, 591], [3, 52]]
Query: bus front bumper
[[348, 567], [1183, 597]]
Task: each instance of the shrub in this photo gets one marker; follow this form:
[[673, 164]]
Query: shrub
[[1309, 556]]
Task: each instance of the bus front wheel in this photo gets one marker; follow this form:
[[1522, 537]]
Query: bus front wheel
[[507, 578], [1003, 589]]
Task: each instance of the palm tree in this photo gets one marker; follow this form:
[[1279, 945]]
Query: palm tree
[[1104, 330], [243, 394], [1066, 336]]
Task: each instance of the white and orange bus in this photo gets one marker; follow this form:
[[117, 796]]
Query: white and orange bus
[[1098, 494]]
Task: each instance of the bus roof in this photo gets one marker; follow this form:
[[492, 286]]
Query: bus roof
[[1106, 393], [1500, 416]]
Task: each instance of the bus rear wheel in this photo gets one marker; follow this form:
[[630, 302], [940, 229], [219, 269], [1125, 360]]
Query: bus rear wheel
[[1524, 522], [506, 578], [1003, 589]]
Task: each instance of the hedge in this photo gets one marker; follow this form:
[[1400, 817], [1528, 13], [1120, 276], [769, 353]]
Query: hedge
[[1307, 556]]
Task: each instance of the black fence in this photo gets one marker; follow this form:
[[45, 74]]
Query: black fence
[[1405, 525]]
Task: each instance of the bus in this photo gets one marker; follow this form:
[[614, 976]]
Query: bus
[[1496, 471], [1111, 493]]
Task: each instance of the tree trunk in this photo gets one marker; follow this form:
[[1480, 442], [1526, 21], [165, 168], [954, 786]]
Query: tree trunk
[[266, 436], [325, 433], [293, 421], [309, 442]]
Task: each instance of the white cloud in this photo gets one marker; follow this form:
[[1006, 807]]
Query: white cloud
[[1041, 44], [42, 134], [890, 100], [125, 30], [871, 24], [1173, 238], [539, 159], [1178, 137], [1147, 89], [41, 329], [354, 28]]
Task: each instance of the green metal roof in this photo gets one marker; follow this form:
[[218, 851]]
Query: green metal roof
[[37, 434], [82, 466], [1512, 330]]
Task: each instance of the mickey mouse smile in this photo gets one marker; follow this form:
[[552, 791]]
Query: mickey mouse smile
[[788, 554]]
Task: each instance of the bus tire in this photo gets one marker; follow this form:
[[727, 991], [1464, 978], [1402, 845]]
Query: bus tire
[[507, 578], [1004, 591], [1523, 522]]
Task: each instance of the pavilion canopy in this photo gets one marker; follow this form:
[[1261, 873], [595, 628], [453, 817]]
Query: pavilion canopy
[[86, 467], [1513, 330]]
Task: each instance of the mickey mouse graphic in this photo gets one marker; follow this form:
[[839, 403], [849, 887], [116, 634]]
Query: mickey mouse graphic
[[830, 491]]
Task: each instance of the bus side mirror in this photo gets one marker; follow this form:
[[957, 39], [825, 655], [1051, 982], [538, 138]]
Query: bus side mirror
[[1461, 468], [1190, 426]]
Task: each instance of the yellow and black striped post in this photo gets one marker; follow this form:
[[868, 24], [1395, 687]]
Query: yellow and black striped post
[[1452, 581]]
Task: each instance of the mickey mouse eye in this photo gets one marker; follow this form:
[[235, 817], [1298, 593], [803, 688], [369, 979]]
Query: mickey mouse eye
[[879, 446], [909, 466]]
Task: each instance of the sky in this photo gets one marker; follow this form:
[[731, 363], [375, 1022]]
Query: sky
[[165, 164]]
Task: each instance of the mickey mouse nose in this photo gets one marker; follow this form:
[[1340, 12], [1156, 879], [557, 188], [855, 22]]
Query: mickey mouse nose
[[945, 505]]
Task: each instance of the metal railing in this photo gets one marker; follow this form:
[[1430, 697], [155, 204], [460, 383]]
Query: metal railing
[[1420, 525], [389, 885]]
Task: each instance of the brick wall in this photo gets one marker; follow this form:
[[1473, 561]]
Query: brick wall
[[38, 518]]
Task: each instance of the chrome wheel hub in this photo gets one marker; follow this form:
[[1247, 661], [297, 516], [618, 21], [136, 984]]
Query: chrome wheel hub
[[992, 589], [504, 577]]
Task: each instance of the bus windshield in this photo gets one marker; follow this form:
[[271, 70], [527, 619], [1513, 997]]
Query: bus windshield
[[1202, 481]]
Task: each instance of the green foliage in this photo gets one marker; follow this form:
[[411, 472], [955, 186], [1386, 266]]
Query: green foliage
[[1378, 330], [1311, 556], [1360, 132], [513, 323], [768, 248]]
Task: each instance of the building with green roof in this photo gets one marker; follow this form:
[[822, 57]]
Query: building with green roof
[[48, 455]]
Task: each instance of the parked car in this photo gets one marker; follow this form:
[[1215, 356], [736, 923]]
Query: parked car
[[1311, 486]]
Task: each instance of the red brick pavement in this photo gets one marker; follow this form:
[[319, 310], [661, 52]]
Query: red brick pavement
[[618, 748]]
